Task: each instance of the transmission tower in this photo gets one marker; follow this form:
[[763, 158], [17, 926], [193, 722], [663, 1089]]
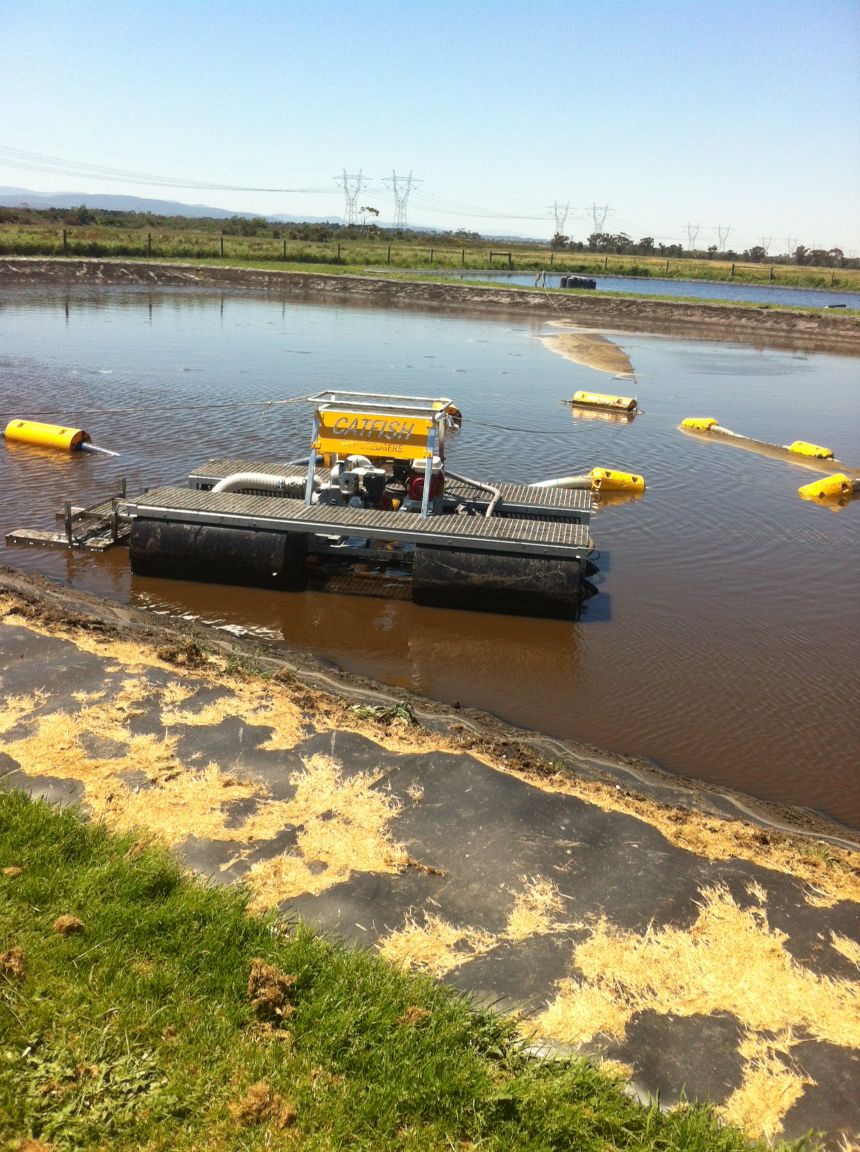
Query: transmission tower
[[692, 236], [723, 236], [352, 186], [400, 188], [790, 245], [560, 212], [599, 216], [766, 242]]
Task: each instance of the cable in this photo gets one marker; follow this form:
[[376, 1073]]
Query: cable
[[264, 404], [18, 158]]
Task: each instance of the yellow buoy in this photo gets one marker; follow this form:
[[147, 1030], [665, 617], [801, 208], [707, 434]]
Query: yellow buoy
[[836, 485], [601, 400], [698, 423], [610, 480], [805, 449], [46, 435]]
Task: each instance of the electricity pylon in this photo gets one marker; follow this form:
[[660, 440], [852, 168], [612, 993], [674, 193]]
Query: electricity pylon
[[560, 212], [352, 186], [599, 216], [400, 189]]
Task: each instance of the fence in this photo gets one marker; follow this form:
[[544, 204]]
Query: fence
[[153, 244]]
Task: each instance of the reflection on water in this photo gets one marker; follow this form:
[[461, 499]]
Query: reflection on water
[[723, 641]]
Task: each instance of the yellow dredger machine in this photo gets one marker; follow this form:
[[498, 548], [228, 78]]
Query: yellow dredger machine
[[376, 498]]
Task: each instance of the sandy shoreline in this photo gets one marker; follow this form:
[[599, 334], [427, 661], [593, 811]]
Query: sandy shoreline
[[819, 330]]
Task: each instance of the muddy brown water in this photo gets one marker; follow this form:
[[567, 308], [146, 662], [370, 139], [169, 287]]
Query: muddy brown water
[[723, 643]]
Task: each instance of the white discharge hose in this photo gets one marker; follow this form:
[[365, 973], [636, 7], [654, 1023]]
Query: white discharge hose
[[264, 480], [565, 482]]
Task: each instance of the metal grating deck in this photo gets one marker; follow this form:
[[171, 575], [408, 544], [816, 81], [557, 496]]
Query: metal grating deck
[[576, 504], [275, 513]]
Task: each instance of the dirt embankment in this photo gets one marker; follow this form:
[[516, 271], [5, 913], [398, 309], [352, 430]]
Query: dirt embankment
[[817, 330]]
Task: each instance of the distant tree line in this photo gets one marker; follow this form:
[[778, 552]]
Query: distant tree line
[[246, 226], [620, 244]]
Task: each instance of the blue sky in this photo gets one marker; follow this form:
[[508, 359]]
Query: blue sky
[[740, 113]]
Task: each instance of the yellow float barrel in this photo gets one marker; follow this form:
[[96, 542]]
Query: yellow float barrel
[[698, 423], [805, 449], [836, 485], [46, 435], [601, 400], [610, 480]]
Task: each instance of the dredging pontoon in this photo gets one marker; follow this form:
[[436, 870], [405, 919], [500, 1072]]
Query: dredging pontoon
[[371, 509]]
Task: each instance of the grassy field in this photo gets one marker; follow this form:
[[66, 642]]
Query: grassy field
[[142, 1010], [205, 244]]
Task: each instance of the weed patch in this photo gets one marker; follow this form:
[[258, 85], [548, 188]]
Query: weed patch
[[162, 1026]]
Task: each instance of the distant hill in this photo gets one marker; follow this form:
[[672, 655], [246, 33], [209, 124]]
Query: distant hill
[[23, 198]]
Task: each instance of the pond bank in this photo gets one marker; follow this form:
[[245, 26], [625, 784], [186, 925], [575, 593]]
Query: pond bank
[[699, 943], [819, 330]]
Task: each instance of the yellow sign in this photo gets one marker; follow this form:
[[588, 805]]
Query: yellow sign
[[368, 434]]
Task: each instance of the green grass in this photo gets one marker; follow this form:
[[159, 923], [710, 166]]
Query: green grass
[[138, 1032], [199, 241]]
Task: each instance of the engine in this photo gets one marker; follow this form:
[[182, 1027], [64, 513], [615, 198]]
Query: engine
[[359, 483]]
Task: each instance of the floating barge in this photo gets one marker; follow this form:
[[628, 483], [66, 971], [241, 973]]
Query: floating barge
[[371, 510]]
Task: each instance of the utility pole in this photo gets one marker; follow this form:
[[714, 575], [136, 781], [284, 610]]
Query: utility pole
[[352, 186], [400, 188], [560, 212]]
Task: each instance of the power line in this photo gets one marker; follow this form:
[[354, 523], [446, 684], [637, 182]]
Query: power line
[[34, 161]]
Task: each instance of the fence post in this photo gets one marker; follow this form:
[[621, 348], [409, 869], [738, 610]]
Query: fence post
[[771, 273], [463, 258], [65, 242], [149, 243], [667, 265], [832, 277], [605, 263], [389, 254], [338, 252], [491, 259], [431, 255], [285, 249], [510, 260], [222, 243], [551, 258], [732, 273]]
